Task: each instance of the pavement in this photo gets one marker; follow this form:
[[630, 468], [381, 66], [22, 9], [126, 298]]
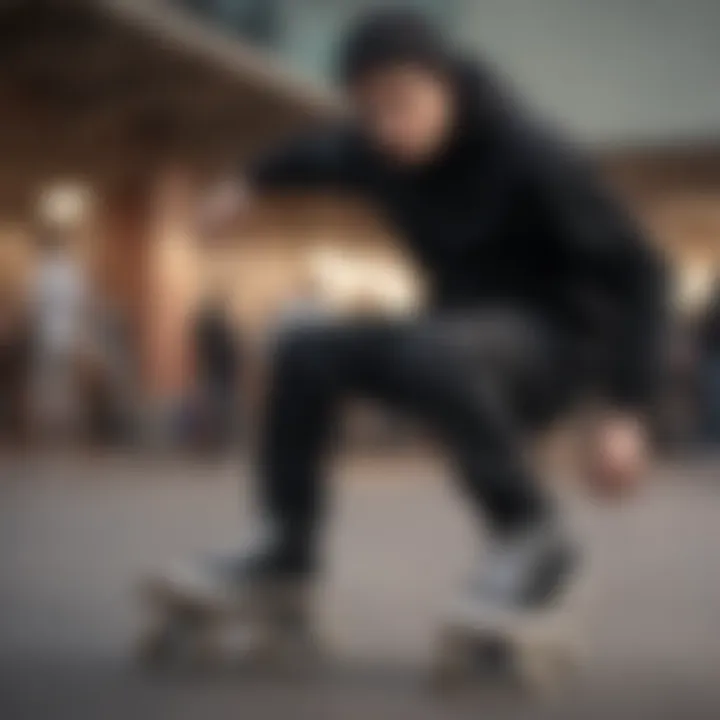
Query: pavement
[[76, 534]]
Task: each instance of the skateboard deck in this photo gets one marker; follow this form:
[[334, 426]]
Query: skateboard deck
[[535, 652], [267, 626], [535, 649]]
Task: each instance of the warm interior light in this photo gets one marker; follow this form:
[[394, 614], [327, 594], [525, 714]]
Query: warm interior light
[[64, 204]]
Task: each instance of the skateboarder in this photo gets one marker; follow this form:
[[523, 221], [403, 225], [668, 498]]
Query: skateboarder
[[542, 291]]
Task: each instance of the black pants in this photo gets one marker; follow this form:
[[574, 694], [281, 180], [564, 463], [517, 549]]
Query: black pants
[[480, 380]]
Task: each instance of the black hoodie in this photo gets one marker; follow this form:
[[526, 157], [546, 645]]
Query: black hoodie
[[509, 216]]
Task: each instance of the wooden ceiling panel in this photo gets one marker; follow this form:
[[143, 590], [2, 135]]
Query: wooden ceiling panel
[[81, 92]]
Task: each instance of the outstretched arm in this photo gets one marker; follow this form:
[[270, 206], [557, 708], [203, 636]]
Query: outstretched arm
[[314, 161]]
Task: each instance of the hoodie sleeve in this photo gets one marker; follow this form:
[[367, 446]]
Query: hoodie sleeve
[[607, 258], [317, 160]]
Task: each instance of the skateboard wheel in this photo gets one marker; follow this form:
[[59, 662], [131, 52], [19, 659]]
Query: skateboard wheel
[[451, 663], [159, 647]]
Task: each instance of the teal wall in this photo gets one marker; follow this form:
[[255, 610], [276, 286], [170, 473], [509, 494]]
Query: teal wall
[[612, 70]]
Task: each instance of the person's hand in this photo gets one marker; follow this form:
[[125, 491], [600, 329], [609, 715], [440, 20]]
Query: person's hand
[[221, 207], [617, 457]]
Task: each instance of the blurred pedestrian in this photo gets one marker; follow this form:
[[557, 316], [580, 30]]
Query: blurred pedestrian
[[218, 359], [709, 368], [14, 361], [59, 317], [111, 376]]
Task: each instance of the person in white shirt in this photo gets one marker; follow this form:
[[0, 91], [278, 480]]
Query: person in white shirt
[[59, 304]]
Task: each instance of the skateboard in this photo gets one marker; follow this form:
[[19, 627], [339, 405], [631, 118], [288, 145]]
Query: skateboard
[[535, 651], [267, 627]]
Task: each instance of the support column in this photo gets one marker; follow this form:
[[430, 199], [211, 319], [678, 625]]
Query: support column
[[148, 266], [173, 285]]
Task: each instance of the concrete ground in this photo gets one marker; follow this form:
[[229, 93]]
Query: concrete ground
[[75, 536]]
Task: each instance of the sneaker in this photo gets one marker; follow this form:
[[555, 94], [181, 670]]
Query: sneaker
[[526, 570], [232, 580]]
